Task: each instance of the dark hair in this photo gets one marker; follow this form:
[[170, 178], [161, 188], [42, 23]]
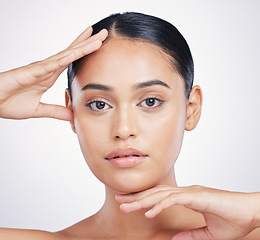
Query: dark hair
[[143, 27]]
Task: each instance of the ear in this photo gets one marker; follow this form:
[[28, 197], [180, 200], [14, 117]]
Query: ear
[[69, 105], [194, 108]]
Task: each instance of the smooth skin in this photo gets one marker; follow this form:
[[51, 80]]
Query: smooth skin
[[218, 214]]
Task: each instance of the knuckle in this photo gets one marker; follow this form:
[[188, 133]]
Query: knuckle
[[172, 195], [142, 204]]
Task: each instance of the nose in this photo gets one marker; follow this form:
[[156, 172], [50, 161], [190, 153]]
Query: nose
[[124, 124]]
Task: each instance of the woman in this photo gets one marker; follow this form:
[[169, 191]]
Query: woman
[[129, 101]]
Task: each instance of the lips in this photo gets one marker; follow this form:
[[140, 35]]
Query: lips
[[124, 158]]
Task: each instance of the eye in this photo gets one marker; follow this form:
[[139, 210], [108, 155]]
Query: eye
[[97, 105], [151, 103]]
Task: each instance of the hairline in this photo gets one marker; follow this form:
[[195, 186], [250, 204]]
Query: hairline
[[113, 34]]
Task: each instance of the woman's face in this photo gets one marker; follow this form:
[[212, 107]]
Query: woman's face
[[129, 109]]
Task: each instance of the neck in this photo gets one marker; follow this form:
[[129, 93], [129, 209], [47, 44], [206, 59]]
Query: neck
[[113, 220]]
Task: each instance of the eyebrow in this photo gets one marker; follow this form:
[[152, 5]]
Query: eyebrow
[[102, 87], [96, 86], [151, 83]]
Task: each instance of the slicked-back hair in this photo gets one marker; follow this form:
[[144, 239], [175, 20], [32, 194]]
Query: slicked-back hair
[[142, 27]]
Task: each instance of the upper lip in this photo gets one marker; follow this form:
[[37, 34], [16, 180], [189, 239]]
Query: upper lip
[[128, 152]]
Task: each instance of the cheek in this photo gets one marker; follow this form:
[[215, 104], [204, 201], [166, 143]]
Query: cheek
[[92, 135], [165, 134]]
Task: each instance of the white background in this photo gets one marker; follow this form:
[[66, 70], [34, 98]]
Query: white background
[[44, 181]]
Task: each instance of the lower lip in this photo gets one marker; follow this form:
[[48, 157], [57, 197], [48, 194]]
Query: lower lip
[[127, 162]]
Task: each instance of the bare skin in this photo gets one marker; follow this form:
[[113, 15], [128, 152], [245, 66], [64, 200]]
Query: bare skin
[[175, 211]]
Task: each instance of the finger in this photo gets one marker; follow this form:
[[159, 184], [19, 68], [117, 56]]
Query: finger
[[86, 49], [53, 111], [127, 198], [167, 202], [195, 201], [146, 202], [194, 234], [47, 67], [101, 36], [83, 36]]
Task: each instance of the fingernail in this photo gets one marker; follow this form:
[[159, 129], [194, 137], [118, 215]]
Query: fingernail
[[88, 29], [123, 205], [148, 212]]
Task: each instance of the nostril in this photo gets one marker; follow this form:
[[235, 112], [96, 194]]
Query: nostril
[[124, 137]]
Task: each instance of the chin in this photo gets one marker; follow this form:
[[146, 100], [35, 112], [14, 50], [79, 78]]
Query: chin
[[134, 179], [129, 190], [132, 186]]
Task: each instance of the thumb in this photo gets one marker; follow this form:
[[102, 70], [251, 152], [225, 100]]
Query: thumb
[[54, 111], [194, 234]]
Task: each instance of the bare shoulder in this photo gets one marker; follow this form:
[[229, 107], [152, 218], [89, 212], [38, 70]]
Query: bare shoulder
[[85, 229], [21, 234]]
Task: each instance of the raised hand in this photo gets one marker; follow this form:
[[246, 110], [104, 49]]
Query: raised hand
[[21, 89], [228, 215]]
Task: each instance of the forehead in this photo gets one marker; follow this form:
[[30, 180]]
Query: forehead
[[125, 60]]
